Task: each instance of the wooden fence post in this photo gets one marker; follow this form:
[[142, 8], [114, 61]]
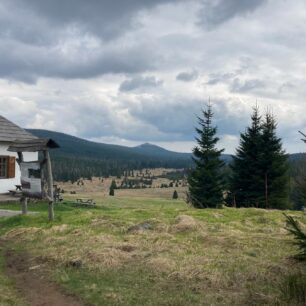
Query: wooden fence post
[[24, 205], [50, 186], [23, 200]]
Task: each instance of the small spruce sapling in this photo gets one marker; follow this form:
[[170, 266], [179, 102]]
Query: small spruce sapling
[[111, 192], [175, 195], [300, 237], [112, 188]]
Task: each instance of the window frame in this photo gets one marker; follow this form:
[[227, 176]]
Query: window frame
[[4, 164], [8, 167]]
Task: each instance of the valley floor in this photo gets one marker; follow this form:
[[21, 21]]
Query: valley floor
[[150, 251]]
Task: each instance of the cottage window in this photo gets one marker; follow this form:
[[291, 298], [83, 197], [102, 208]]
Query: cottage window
[[3, 166], [7, 167]]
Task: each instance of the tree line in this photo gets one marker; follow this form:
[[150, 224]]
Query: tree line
[[258, 175], [72, 168]]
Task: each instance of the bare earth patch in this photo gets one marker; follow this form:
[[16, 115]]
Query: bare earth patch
[[32, 282]]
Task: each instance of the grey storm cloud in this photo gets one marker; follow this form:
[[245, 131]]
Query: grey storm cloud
[[179, 118], [104, 18], [31, 63], [140, 82], [216, 78], [187, 76], [72, 39], [216, 12], [246, 86]]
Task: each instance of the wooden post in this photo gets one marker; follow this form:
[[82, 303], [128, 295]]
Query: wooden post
[[234, 203], [24, 205], [266, 190], [50, 186], [20, 157], [23, 200]]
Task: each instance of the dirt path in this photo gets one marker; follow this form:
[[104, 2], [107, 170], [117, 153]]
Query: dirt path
[[8, 213], [32, 282], [11, 213]]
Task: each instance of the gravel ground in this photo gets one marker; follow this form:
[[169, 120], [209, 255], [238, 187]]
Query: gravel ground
[[11, 213], [8, 213]]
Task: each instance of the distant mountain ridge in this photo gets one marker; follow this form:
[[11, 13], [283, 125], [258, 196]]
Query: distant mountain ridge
[[151, 149], [78, 157], [72, 145], [85, 148]]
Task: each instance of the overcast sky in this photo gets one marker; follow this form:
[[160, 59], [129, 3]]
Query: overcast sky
[[134, 71]]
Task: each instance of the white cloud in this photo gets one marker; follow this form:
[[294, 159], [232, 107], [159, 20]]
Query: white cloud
[[63, 70]]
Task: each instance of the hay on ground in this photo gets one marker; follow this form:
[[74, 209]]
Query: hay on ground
[[184, 223]]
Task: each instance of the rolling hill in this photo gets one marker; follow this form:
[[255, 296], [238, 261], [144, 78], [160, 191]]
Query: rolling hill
[[74, 146], [78, 157]]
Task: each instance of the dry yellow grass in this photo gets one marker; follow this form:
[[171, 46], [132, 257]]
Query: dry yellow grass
[[184, 223], [101, 186], [174, 253]]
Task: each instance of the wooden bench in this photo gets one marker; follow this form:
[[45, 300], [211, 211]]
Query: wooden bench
[[85, 202], [15, 192]]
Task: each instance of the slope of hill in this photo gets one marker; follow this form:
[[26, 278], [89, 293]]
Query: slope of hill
[[296, 157], [78, 157], [150, 149], [82, 158], [71, 145]]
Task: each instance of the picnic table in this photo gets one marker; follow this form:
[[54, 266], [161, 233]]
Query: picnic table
[[18, 187], [85, 202]]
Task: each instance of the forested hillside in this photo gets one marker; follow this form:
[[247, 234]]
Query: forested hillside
[[81, 158]]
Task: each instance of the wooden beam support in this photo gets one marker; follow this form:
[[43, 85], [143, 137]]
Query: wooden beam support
[[23, 200], [20, 158], [50, 186], [24, 205]]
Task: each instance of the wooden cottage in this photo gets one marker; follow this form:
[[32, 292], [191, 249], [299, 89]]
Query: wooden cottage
[[9, 169]]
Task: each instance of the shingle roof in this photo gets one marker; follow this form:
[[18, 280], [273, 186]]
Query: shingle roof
[[10, 131], [33, 145]]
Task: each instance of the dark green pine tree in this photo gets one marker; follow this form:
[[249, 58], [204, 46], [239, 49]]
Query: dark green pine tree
[[274, 166], [246, 189], [112, 188], [175, 195], [205, 181]]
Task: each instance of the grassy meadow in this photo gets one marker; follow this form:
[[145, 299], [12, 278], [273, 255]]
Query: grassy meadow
[[152, 251]]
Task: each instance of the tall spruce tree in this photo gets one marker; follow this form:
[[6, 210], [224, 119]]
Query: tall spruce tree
[[205, 181], [245, 189], [260, 169], [274, 166]]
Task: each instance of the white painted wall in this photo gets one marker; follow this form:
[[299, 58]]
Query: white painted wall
[[9, 184]]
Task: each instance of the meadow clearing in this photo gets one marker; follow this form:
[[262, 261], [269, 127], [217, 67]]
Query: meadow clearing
[[133, 250]]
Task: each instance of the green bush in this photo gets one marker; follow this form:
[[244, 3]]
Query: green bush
[[300, 237]]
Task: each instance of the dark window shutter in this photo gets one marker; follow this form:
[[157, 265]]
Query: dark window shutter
[[11, 161]]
